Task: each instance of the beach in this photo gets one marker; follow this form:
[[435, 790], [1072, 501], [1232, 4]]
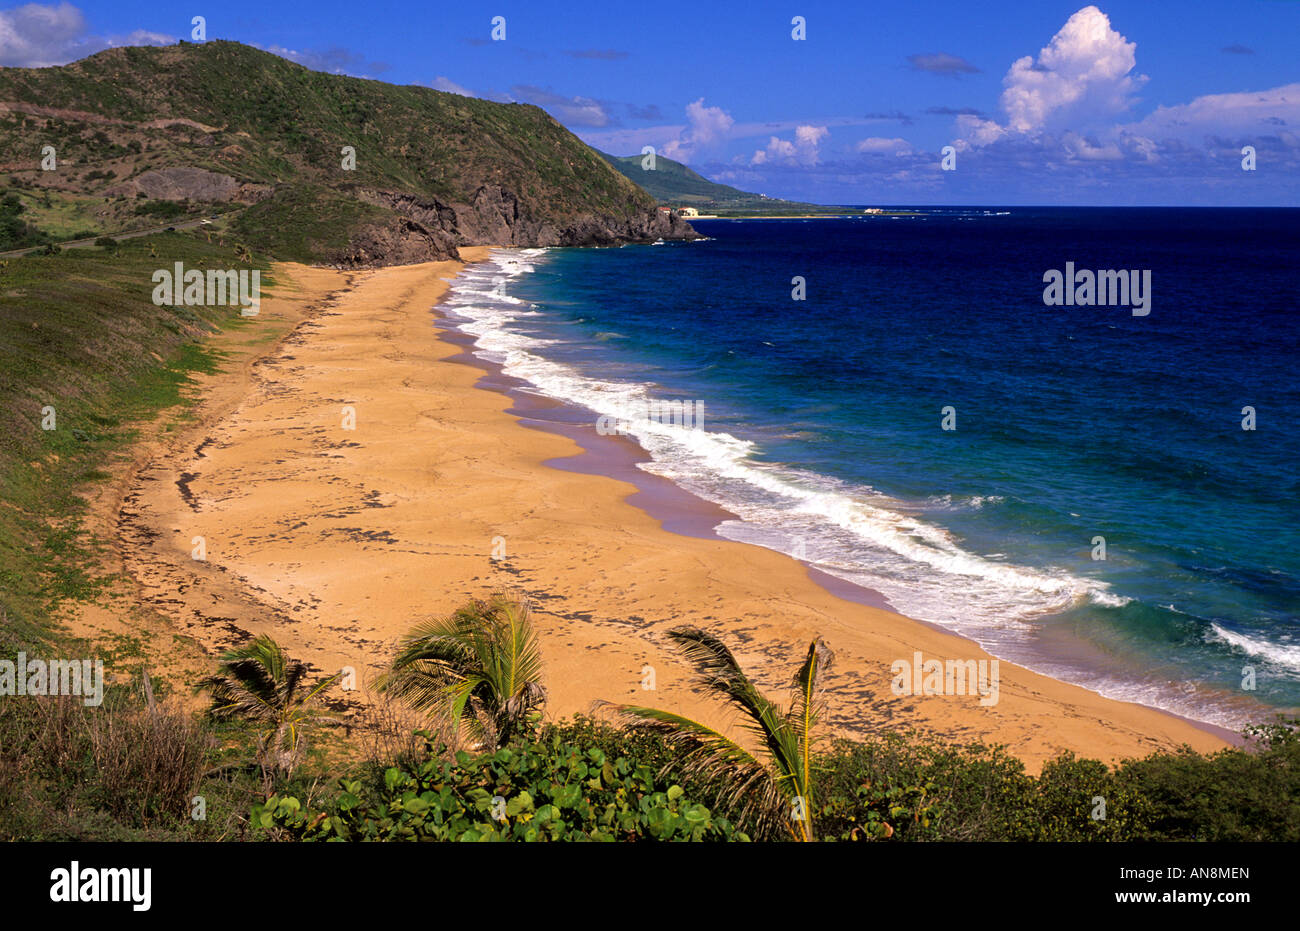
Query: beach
[[351, 472]]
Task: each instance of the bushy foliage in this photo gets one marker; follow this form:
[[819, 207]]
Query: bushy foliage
[[908, 787], [15, 232], [68, 771], [552, 789], [902, 786], [1232, 795]]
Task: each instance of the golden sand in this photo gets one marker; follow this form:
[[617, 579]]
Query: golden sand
[[347, 480]]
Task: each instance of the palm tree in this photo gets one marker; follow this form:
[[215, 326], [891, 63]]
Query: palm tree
[[257, 682], [480, 667], [772, 787]]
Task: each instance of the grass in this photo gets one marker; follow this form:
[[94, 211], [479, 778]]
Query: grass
[[302, 223], [79, 333], [65, 216]]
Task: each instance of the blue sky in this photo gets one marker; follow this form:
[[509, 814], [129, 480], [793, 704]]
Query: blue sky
[[1043, 102]]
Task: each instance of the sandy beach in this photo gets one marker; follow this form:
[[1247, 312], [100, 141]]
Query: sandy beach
[[348, 476]]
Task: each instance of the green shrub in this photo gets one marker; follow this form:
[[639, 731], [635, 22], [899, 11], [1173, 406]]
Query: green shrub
[[1081, 800], [544, 790], [903, 786], [1234, 795]]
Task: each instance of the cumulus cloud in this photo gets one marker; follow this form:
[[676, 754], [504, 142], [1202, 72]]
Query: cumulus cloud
[[1065, 132], [877, 145], [708, 126], [1084, 73], [942, 63], [38, 35], [1081, 81], [802, 150], [1070, 102]]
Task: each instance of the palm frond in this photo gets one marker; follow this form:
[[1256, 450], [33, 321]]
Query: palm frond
[[764, 792], [481, 667], [258, 682], [806, 706], [742, 785]]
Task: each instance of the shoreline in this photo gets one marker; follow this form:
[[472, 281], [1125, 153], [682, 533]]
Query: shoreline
[[338, 541], [683, 513]]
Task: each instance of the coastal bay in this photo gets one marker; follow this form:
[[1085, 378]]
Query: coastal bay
[[337, 540]]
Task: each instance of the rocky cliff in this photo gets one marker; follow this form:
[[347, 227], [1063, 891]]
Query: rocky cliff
[[429, 229]]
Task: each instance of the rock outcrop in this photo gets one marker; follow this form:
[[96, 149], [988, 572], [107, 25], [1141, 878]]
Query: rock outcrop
[[428, 230], [191, 184]]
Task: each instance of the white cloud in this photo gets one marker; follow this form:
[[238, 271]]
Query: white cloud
[[447, 84], [878, 145], [1082, 74], [1082, 79], [976, 131], [35, 36], [38, 35], [708, 127], [802, 150], [1250, 113], [571, 111], [334, 60], [1082, 148], [1068, 103]]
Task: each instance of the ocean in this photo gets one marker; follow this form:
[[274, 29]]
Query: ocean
[[1075, 432]]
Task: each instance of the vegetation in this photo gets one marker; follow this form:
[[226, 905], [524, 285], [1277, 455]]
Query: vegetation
[[15, 231], [770, 789], [86, 355], [267, 122], [556, 789], [140, 769], [480, 668], [258, 683], [673, 184]]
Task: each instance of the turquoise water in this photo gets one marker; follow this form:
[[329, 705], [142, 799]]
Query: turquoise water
[[823, 421]]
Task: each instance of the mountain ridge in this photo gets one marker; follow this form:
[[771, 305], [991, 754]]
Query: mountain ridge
[[674, 183], [320, 167]]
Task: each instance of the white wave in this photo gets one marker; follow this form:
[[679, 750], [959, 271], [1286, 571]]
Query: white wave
[[1283, 655], [849, 530]]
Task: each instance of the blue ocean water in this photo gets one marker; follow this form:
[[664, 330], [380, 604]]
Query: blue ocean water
[[823, 421]]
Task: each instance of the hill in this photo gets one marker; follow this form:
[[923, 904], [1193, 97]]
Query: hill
[[141, 135], [674, 184]]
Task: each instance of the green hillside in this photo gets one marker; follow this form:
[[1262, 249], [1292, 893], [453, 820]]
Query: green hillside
[[222, 126], [674, 184]]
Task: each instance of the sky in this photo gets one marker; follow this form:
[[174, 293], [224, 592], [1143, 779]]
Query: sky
[[1041, 102]]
